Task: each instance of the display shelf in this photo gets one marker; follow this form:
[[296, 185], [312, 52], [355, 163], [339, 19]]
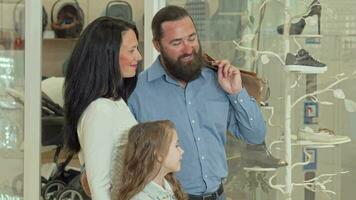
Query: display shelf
[[60, 39], [318, 144], [233, 156], [305, 36], [259, 169], [305, 69], [297, 142], [11, 153], [267, 108]]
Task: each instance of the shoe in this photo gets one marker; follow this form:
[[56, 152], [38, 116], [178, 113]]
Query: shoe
[[297, 28], [257, 155], [322, 135], [314, 9], [304, 62], [294, 29]]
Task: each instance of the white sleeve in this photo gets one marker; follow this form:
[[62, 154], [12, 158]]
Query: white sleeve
[[97, 143]]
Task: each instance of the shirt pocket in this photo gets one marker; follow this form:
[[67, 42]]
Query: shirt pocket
[[216, 115]]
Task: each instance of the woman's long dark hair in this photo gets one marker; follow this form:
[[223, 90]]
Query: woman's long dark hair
[[93, 72]]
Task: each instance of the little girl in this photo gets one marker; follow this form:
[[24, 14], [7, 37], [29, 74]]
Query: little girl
[[152, 156]]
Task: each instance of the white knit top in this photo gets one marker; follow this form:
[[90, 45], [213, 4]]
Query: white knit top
[[102, 131]]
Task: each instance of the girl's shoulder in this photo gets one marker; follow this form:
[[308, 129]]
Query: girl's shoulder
[[152, 191], [141, 196]]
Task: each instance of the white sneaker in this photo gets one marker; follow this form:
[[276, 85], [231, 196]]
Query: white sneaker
[[323, 135]]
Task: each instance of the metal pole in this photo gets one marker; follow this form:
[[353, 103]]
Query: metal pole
[[288, 108]]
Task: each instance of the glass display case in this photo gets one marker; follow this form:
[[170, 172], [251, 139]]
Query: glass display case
[[12, 78], [19, 68], [310, 72]]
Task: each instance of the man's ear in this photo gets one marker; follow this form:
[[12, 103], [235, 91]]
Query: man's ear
[[156, 45]]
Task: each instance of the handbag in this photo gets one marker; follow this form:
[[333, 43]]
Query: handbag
[[256, 87]]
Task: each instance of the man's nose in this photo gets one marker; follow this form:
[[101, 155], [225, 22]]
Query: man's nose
[[187, 47]]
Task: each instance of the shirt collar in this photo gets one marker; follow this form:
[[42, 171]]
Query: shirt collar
[[156, 71], [154, 190]]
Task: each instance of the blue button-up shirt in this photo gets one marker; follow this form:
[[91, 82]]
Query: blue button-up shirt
[[202, 113]]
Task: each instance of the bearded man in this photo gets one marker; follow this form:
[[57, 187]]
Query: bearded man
[[202, 103]]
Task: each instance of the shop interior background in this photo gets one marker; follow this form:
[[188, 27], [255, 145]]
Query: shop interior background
[[220, 23]]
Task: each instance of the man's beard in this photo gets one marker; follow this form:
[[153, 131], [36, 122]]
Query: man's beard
[[184, 71]]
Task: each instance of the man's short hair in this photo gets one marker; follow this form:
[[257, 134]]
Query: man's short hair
[[168, 13]]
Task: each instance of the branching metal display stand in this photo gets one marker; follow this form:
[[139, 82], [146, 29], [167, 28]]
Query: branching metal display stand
[[288, 109], [317, 184]]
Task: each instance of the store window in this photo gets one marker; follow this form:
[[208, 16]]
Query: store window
[[310, 73]]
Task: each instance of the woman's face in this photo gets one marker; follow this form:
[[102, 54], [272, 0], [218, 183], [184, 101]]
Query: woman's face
[[129, 55]]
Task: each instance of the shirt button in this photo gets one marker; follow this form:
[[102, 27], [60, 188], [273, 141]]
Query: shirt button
[[202, 157], [198, 138], [235, 102], [193, 121], [189, 103], [206, 176], [241, 100], [251, 119]]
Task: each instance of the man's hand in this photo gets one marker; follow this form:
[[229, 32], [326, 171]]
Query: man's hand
[[229, 77]]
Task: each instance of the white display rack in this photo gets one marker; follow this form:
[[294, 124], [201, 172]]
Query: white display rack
[[305, 69], [306, 36], [288, 137], [289, 140], [309, 143], [259, 169], [313, 144]]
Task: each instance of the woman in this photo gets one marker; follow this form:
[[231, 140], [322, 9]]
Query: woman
[[101, 75]]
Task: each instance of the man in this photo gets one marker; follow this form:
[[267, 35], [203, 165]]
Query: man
[[202, 103]]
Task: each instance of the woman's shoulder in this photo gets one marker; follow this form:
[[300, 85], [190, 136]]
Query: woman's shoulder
[[104, 104]]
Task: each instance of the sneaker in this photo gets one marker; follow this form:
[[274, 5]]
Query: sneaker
[[323, 135], [257, 155], [304, 62]]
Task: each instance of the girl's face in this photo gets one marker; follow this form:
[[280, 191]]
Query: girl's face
[[129, 54], [172, 160]]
